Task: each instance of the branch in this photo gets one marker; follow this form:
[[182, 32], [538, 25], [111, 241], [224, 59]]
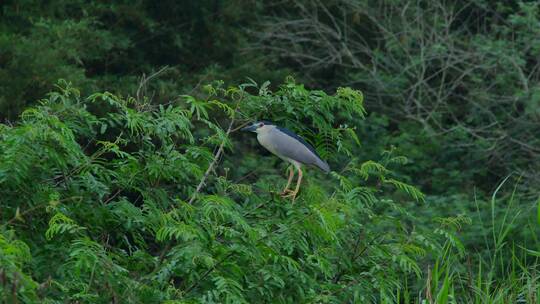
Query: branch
[[144, 81], [216, 157]]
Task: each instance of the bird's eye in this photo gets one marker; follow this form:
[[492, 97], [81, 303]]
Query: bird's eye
[[261, 124]]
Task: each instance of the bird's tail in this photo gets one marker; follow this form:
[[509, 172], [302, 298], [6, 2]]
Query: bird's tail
[[322, 165]]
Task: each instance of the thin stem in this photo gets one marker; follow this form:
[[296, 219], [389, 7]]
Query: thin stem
[[216, 158]]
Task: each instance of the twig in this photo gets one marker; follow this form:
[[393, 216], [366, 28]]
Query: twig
[[144, 81], [240, 126], [429, 296], [216, 157]]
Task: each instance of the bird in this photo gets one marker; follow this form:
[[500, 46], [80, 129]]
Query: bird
[[291, 148]]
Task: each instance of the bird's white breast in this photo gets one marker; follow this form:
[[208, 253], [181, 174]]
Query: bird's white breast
[[269, 137], [265, 139]]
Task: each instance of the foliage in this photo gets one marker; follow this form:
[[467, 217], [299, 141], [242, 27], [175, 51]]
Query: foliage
[[460, 76], [107, 46], [506, 271], [453, 81], [146, 192], [103, 184]]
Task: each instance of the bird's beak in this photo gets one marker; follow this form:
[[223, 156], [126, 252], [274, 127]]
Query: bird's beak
[[251, 128]]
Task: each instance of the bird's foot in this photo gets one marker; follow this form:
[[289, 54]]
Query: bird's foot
[[286, 192], [291, 194]]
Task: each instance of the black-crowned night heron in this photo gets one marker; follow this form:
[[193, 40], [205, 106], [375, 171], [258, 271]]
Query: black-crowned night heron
[[289, 147]]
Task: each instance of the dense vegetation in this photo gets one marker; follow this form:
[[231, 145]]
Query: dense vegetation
[[124, 179]]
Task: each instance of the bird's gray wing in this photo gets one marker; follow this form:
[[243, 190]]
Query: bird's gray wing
[[285, 145]]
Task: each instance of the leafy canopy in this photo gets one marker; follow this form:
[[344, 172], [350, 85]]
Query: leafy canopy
[[109, 199]]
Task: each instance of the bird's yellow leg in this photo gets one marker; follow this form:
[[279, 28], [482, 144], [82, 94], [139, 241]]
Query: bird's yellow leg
[[293, 194], [291, 175]]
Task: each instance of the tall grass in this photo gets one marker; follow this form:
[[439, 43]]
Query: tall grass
[[507, 271]]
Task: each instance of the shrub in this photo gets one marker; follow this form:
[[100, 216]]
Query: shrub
[[111, 199]]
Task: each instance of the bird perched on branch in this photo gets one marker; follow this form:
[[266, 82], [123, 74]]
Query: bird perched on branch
[[290, 147]]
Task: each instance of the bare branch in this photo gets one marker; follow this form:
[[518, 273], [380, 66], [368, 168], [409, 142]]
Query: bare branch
[[141, 90]]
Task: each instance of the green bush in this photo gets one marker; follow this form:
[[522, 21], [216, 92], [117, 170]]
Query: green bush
[[100, 204]]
